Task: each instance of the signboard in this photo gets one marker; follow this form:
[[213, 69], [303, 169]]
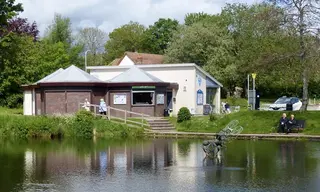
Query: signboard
[[120, 99], [199, 97], [143, 87], [160, 99]]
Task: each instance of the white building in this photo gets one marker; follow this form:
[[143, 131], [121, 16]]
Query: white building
[[196, 87]]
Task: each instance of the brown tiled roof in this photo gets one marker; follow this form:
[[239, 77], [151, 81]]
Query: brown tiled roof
[[115, 62], [141, 58]]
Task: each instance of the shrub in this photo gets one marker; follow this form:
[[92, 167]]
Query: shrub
[[213, 117], [83, 124], [183, 115]]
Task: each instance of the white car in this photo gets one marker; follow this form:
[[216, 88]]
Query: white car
[[281, 104]]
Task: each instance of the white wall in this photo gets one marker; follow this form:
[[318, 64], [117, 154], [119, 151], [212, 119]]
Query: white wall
[[203, 87], [27, 102], [185, 77], [126, 61]]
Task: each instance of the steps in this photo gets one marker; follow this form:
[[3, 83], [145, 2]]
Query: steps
[[160, 124]]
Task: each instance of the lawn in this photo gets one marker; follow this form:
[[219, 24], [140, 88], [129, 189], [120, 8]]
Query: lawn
[[262, 122]]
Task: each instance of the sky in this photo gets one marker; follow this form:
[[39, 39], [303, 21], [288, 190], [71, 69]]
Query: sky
[[110, 14]]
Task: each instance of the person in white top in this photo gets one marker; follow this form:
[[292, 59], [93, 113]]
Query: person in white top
[[86, 105]]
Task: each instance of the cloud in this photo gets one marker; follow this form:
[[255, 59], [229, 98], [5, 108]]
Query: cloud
[[110, 14]]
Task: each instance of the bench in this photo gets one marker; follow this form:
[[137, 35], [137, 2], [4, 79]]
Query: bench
[[298, 126]]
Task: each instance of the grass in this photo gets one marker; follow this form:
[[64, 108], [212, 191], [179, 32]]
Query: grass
[[254, 122]]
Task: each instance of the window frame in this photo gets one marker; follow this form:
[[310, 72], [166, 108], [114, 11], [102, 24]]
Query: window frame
[[144, 91]]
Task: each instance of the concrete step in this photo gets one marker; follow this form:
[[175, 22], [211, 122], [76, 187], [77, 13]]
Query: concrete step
[[162, 128], [158, 122], [161, 125]]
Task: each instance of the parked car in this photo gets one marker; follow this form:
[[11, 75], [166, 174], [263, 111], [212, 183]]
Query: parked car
[[281, 104]]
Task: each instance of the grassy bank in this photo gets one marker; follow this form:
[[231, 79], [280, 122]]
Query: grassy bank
[[255, 122], [12, 124]]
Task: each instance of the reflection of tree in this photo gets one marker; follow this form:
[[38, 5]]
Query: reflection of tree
[[12, 170], [253, 162], [184, 146]]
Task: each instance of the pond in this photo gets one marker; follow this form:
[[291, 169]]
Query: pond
[[158, 165]]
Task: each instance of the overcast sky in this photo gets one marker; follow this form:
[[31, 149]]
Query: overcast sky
[[110, 14]]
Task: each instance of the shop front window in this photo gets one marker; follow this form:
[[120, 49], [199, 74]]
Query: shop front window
[[143, 97]]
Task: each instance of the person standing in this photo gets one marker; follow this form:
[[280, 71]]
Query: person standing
[[283, 123], [103, 107], [86, 105]]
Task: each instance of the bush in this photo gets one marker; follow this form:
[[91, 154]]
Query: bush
[[83, 124], [183, 115], [213, 117]]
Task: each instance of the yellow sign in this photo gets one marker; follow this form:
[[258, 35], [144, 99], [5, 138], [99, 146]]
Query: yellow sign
[[254, 75]]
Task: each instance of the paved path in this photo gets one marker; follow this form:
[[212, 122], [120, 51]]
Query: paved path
[[239, 136]]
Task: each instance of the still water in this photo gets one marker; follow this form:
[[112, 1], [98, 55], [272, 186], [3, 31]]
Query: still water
[[158, 165]]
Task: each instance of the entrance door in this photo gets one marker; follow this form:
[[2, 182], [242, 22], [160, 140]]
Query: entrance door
[[169, 100]]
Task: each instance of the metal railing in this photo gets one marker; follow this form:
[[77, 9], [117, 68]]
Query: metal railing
[[123, 116]]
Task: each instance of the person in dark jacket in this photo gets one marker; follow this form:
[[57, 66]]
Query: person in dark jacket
[[291, 123], [283, 123]]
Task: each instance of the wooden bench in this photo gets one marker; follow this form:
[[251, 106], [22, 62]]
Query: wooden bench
[[298, 126]]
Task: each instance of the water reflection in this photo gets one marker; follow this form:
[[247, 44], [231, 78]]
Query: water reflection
[[160, 165]]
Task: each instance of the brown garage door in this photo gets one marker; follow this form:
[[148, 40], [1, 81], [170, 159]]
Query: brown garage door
[[76, 97], [55, 102]]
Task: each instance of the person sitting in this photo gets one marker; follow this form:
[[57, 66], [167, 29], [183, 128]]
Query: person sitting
[[291, 123], [86, 105], [283, 123]]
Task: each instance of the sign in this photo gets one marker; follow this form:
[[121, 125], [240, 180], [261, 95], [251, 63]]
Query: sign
[[160, 98], [252, 96], [199, 97], [120, 99], [254, 75], [143, 87]]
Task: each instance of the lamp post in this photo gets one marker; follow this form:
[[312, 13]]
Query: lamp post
[[85, 60]]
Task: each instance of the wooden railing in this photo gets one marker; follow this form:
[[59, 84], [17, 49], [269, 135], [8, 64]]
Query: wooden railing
[[128, 117]]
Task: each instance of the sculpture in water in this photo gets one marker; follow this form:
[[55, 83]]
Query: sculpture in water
[[212, 148]]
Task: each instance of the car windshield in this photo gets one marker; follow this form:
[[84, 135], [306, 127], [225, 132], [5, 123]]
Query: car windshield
[[283, 100]]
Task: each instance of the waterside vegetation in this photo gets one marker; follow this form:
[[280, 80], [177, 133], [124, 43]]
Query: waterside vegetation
[[83, 124]]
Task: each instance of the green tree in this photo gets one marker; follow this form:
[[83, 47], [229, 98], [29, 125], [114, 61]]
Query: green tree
[[207, 45], [302, 17], [8, 10], [158, 36], [59, 31], [192, 18], [128, 37]]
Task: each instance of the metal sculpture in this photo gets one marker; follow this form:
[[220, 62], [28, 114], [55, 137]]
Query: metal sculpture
[[212, 148]]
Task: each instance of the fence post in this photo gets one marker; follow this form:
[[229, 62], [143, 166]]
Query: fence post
[[142, 120], [109, 111], [95, 110], [125, 116]]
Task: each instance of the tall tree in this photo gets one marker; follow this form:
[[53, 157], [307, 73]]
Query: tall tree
[[302, 16], [192, 18], [94, 40], [21, 26], [158, 36], [207, 45], [60, 31], [128, 37], [8, 10]]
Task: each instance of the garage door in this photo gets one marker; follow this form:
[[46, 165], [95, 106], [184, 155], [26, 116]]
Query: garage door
[[55, 102], [76, 97]]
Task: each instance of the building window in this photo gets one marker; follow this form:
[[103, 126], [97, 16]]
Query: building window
[[143, 97]]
